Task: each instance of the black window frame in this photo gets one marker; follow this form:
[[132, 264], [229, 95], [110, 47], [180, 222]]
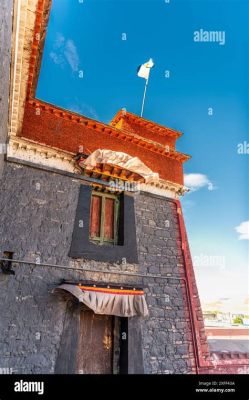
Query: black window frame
[[83, 247]]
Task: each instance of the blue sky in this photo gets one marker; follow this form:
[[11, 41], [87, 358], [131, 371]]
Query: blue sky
[[89, 68]]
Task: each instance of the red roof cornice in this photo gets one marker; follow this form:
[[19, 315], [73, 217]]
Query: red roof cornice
[[152, 126]]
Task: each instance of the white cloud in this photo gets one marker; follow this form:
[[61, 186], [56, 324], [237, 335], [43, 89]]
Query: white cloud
[[243, 230], [71, 54], [84, 109], [64, 52], [197, 181], [56, 58], [59, 41]]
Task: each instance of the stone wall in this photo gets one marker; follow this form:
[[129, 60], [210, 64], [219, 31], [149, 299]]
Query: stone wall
[[166, 334], [5, 56], [36, 223]]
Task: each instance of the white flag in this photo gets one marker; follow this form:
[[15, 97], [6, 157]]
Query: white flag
[[143, 70]]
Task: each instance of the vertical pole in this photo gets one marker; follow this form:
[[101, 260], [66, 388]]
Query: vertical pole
[[145, 89]]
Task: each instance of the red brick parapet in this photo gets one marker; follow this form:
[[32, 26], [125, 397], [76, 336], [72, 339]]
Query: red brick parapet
[[61, 129]]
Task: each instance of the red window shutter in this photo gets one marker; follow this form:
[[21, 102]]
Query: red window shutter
[[109, 218], [95, 216]]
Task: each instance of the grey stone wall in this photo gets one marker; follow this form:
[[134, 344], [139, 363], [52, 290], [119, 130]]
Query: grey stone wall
[[166, 333], [37, 211], [5, 56]]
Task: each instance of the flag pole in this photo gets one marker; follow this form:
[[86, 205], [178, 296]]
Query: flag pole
[[145, 89]]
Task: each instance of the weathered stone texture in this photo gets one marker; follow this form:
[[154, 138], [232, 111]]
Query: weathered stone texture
[[165, 332], [36, 222]]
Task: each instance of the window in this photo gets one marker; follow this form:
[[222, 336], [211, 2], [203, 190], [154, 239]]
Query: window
[[104, 218], [123, 243]]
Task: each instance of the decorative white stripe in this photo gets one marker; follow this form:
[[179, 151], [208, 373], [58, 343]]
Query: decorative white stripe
[[26, 150]]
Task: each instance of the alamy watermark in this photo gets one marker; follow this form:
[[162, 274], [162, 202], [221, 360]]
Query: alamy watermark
[[204, 260], [23, 386], [6, 371], [124, 185], [243, 148], [210, 36]]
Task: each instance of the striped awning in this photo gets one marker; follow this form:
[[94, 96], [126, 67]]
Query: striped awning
[[110, 301]]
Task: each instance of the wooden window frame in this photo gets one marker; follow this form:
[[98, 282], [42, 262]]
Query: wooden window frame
[[101, 239]]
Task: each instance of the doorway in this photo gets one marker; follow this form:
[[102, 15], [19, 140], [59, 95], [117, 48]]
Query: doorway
[[102, 345], [95, 344], [92, 343]]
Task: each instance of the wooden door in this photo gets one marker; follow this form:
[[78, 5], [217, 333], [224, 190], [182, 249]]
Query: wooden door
[[95, 346]]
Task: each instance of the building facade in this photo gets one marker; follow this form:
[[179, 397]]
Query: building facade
[[101, 278]]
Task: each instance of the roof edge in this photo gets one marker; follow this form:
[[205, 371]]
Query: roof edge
[[122, 113]]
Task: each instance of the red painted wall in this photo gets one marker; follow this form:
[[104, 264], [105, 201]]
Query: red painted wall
[[65, 134], [147, 133]]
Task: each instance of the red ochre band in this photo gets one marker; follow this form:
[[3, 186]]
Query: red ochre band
[[112, 291]]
